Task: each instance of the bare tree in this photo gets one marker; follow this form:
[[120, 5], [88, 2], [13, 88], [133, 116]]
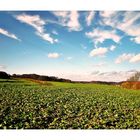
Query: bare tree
[[135, 77]]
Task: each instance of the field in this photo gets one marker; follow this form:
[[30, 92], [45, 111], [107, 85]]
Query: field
[[53, 105]]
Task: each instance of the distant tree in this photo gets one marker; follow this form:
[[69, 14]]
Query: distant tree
[[135, 77], [41, 77], [4, 75]]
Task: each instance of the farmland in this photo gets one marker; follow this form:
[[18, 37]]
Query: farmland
[[27, 104]]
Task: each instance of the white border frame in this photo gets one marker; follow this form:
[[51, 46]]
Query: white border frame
[[20, 5], [69, 5]]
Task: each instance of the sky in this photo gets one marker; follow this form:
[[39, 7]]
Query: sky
[[77, 45]]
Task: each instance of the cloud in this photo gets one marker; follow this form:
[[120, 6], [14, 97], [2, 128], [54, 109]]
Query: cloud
[[98, 51], [61, 14], [100, 35], [107, 13], [115, 76], [101, 51], [73, 23], [112, 76], [124, 57], [2, 67], [101, 64], [70, 19], [95, 72], [112, 48], [53, 55], [38, 24], [47, 37], [136, 39], [110, 18], [132, 58], [32, 20], [6, 33], [129, 25], [135, 58], [124, 21], [90, 17]]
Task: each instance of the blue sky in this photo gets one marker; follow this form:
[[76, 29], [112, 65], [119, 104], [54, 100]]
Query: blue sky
[[79, 45]]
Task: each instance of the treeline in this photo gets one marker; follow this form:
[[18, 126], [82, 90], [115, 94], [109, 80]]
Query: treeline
[[41, 77], [98, 82], [106, 83], [4, 75]]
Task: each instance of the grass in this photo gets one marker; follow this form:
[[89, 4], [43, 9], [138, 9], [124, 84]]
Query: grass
[[28, 104]]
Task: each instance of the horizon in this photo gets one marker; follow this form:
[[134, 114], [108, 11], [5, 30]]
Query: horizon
[[134, 72], [75, 45]]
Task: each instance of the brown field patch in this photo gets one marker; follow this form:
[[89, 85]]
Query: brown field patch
[[39, 81], [131, 85]]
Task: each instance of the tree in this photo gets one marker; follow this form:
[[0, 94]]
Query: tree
[[135, 77], [4, 75]]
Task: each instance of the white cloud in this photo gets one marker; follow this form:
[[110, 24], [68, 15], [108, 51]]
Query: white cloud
[[32, 20], [135, 58], [62, 14], [109, 18], [73, 23], [53, 55], [107, 13], [2, 67], [6, 33], [99, 35], [112, 76], [69, 19], [136, 39], [132, 58], [98, 51], [112, 48], [124, 21], [128, 25], [46, 37], [116, 76], [90, 17], [124, 57], [37, 23], [56, 40]]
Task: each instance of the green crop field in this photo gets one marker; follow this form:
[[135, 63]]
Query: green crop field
[[27, 104]]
